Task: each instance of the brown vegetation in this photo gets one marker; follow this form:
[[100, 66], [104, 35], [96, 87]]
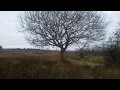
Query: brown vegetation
[[47, 66]]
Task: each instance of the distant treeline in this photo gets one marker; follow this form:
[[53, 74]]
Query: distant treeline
[[39, 51]]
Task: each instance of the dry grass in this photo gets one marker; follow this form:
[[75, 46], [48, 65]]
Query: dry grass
[[107, 72], [26, 65]]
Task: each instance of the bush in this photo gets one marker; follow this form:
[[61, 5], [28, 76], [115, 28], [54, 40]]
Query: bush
[[81, 52], [112, 55]]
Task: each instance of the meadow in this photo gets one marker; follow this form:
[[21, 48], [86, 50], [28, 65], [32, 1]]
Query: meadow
[[47, 65]]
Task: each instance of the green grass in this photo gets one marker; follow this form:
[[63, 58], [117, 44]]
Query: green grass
[[84, 63], [90, 61]]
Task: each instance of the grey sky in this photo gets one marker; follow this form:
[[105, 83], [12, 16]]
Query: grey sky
[[11, 38], [9, 35]]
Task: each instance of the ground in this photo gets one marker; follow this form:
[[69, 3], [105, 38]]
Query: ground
[[46, 65]]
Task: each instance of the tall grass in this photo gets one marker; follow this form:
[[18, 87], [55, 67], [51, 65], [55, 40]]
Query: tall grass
[[47, 66]]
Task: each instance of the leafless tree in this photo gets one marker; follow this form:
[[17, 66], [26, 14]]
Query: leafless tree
[[116, 36], [62, 28], [112, 48]]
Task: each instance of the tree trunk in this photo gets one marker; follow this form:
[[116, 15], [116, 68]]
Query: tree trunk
[[62, 55]]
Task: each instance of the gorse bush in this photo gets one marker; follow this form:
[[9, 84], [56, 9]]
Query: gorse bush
[[112, 55]]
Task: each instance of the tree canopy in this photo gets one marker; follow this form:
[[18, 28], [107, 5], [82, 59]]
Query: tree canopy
[[62, 28]]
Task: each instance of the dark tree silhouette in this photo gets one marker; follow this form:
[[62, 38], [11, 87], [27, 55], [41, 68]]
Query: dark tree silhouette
[[112, 51], [62, 28], [0, 47]]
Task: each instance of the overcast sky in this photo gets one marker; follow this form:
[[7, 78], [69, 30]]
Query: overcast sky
[[11, 38]]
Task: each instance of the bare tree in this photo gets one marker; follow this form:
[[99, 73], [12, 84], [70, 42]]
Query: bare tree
[[62, 28], [116, 37], [112, 50]]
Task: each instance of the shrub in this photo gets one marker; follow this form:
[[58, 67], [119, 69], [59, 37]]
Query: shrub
[[112, 55]]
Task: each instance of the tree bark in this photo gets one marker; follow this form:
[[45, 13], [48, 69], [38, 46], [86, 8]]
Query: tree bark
[[62, 59]]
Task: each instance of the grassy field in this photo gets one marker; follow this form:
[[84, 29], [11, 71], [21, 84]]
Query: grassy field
[[29, 65]]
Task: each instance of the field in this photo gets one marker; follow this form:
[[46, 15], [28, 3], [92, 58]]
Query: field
[[31, 64]]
